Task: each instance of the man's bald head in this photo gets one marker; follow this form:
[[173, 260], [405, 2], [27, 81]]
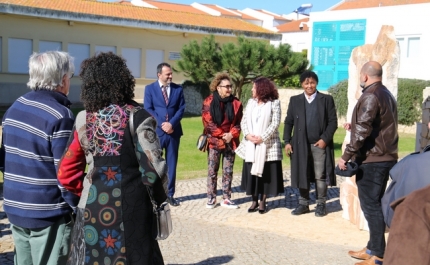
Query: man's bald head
[[371, 72], [372, 69]]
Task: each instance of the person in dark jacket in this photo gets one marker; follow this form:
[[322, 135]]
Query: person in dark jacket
[[112, 170], [312, 116], [408, 241], [408, 175], [373, 145]]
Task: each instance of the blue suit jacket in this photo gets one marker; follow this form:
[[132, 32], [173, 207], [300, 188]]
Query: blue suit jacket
[[154, 103]]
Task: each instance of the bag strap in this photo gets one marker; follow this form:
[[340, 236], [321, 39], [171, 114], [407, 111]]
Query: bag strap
[[133, 133]]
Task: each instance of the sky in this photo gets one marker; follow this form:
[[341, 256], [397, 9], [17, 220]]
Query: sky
[[276, 6]]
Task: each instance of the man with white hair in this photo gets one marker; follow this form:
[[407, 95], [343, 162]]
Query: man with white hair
[[36, 129]]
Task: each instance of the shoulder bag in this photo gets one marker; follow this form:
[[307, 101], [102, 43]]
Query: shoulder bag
[[162, 217], [203, 142]]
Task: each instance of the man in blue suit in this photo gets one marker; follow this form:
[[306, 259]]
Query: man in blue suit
[[165, 101]]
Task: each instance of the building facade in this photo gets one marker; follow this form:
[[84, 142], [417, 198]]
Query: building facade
[[143, 36]]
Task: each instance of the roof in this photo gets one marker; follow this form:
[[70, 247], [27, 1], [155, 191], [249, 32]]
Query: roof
[[224, 11], [133, 16], [175, 7], [244, 15], [294, 26], [356, 4], [275, 16]]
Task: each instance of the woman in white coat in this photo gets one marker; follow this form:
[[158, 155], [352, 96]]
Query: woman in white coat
[[261, 146]]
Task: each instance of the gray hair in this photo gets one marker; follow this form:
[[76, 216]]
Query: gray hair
[[47, 69]]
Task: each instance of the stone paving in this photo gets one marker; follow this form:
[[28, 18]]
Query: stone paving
[[234, 236]]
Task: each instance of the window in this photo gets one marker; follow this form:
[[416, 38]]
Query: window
[[79, 52], [414, 47], [153, 59], [18, 53], [105, 49], [409, 46], [45, 46], [134, 60]]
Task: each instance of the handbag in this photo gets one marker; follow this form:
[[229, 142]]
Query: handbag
[[162, 217], [203, 142]]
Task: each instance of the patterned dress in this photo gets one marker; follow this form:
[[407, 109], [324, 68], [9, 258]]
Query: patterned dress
[[114, 223]]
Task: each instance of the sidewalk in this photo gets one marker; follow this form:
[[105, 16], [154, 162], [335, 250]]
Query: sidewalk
[[234, 236]]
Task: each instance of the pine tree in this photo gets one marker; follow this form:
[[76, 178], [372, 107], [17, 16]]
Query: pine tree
[[244, 61]]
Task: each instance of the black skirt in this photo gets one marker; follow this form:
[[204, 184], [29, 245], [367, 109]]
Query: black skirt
[[271, 183]]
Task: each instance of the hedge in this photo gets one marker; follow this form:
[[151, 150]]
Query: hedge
[[409, 99]]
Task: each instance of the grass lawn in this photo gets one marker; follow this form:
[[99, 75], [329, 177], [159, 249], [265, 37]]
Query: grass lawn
[[193, 163]]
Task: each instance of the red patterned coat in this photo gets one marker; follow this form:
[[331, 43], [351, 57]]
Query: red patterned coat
[[215, 132]]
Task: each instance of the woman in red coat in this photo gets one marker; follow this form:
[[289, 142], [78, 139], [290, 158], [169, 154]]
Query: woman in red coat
[[221, 116]]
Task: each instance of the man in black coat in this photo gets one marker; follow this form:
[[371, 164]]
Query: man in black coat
[[312, 116]]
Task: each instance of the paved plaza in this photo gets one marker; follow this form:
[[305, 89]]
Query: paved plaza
[[234, 236]]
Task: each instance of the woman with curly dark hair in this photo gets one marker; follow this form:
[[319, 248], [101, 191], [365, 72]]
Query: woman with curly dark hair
[[261, 146], [114, 222], [221, 116]]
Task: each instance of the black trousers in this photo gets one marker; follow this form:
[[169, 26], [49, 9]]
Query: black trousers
[[371, 181]]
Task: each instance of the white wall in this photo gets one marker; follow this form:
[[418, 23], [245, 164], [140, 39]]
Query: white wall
[[268, 20], [298, 40], [408, 21]]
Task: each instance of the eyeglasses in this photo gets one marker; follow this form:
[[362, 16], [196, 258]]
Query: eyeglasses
[[227, 86]]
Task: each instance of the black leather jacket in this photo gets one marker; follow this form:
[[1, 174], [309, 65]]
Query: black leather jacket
[[374, 136]]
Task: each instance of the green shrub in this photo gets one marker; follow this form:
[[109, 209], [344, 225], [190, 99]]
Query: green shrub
[[201, 87], [409, 99], [339, 93], [290, 82], [246, 94]]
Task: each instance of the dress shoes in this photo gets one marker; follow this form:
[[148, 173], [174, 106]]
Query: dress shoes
[[373, 260], [361, 254], [253, 210], [321, 210], [301, 209], [172, 201]]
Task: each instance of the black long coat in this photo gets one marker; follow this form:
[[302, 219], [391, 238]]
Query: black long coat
[[296, 120]]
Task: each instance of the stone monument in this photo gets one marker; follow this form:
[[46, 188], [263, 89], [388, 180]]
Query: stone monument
[[386, 51]]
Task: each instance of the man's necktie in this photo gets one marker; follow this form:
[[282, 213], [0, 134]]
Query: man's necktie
[[164, 91], [166, 99]]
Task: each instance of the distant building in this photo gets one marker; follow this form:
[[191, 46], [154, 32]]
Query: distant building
[[143, 35], [334, 33]]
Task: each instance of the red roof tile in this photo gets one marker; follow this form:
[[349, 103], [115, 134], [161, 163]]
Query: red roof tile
[[355, 4], [116, 10], [293, 26]]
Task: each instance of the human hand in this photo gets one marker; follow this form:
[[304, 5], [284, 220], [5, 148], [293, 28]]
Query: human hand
[[250, 137], [321, 144], [342, 164], [167, 127], [227, 137], [288, 149], [347, 126]]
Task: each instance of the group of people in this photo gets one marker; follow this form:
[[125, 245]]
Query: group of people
[[310, 125], [78, 191]]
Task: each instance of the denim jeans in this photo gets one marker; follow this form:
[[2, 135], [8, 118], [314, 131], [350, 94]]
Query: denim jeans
[[317, 158], [371, 181]]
